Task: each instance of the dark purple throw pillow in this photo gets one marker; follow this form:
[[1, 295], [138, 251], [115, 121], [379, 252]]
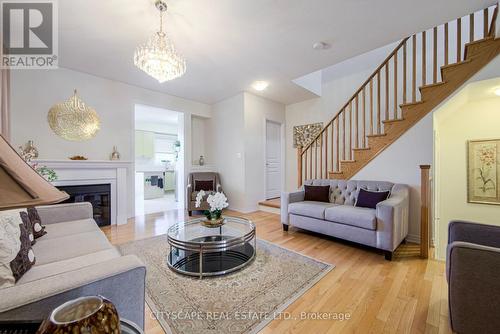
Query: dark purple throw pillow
[[317, 193], [200, 185], [370, 199]]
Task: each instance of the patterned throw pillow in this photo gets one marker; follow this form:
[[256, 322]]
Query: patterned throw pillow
[[38, 228], [29, 226], [25, 259], [16, 254]]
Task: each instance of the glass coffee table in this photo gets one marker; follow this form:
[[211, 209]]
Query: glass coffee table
[[198, 250]]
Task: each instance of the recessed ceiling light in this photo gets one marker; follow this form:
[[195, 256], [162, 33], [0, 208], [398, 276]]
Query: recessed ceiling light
[[321, 46], [497, 91], [260, 85]]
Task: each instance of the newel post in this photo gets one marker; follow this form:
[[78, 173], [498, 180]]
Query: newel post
[[425, 210], [299, 166]]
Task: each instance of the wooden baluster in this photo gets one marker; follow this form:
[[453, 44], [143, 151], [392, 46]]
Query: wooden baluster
[[350, 130], [315, 144], [459, 40], [425, 211], [371, 107], [332, 153], [356, 124], [343, 133], [424, 58], [321, 155], [326, 151], [404, 73], [305, 165], [364, 117], [485, 23], [395, 83], [471, 27], [311, 161], [434, 56], [337, 153], [446, 43], [493, 25], [378, 104], [414, 74], [386, 91], [299, 166]]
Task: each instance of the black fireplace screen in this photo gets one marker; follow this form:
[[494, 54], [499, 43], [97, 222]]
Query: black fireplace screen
[[99, 195]]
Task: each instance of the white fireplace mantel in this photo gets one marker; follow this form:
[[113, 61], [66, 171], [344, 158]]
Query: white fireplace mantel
[[80, 172]]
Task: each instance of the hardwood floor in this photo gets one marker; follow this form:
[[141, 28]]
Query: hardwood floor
[[407, 295]]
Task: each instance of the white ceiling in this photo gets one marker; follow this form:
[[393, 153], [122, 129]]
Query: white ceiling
[[229, 44]]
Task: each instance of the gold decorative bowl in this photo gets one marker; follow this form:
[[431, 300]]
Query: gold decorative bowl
[[84, 315], [212, 223]]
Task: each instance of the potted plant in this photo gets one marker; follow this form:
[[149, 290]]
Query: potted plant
[[217, 201]]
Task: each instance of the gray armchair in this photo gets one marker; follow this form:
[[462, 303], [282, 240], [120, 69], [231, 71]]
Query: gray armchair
[[473, 274], [198, 181]]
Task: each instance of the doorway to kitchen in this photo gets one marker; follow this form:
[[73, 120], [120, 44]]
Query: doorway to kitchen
[[158, 160]]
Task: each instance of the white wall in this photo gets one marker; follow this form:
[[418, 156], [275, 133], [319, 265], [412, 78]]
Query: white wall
[[202, 140], [257, 111], [33, 92], [238, 126], [476, 118], [227, 127]]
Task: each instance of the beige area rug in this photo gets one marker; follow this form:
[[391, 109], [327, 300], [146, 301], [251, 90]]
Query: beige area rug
[[241, 302]]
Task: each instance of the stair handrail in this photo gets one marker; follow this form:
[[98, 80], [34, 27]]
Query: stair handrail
[[377, 70], [354, 109]]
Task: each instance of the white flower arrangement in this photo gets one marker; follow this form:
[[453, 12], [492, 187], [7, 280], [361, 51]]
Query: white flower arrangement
[[217, 202]]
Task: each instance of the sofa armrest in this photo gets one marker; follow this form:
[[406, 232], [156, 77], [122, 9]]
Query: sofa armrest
[[481, 234], [473, 273], [218, 188], [287, 198], [51, 214], [121, 280], [392, 219]]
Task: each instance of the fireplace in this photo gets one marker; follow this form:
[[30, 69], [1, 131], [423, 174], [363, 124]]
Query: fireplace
[[99, 195]]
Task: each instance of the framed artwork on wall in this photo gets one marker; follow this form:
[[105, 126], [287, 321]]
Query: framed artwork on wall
[[483, 171], [304, 134]]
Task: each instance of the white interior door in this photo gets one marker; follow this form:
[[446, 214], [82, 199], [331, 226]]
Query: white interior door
[[273, 160]]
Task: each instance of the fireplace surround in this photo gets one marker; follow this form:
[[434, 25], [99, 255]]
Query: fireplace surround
[[99, 195]]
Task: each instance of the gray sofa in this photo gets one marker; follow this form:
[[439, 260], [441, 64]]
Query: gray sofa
[[75, 259], [384, 227], [473, 273]]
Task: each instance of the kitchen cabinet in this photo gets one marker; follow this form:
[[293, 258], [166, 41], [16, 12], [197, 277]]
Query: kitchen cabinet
[[144, 144]]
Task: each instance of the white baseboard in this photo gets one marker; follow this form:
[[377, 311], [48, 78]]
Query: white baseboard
[[414, 238]]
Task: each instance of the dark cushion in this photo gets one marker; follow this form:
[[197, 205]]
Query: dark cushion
[[370, 199], [38, 228], [206, 185], [317, 193]]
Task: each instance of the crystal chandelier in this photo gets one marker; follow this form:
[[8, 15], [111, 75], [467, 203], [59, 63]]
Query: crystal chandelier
[[157, 57]]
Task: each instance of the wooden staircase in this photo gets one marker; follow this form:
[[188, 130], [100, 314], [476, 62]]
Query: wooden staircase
[[388, 103]]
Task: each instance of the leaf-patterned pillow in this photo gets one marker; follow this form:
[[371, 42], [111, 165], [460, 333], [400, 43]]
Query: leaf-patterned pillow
[[25, 259], [38, 228]]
